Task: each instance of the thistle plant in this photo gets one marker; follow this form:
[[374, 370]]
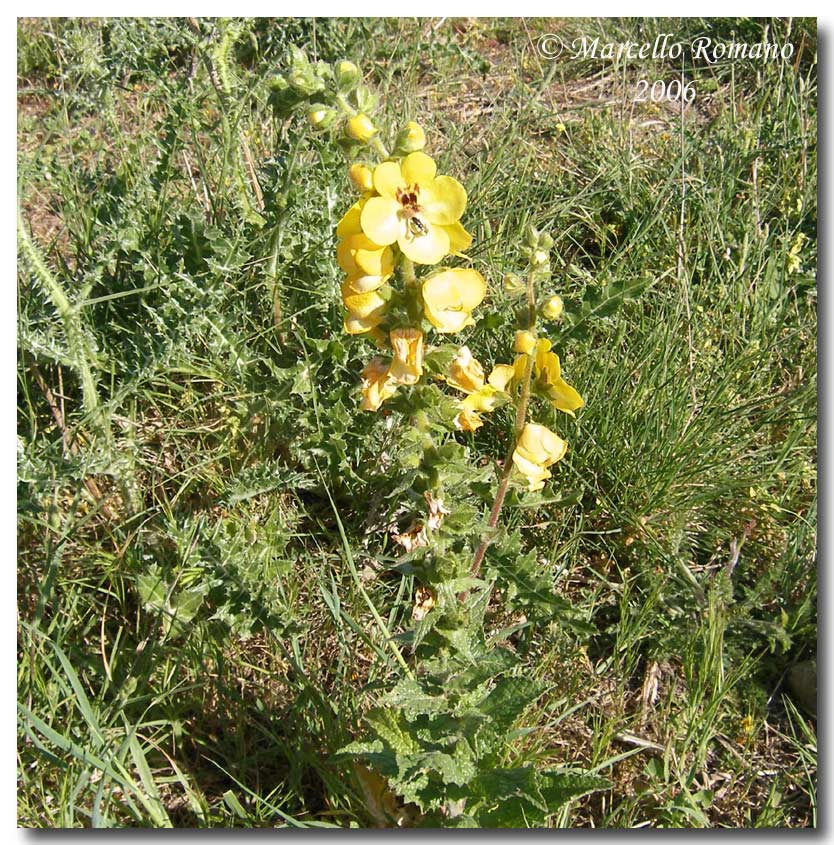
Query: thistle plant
[[438, 747]]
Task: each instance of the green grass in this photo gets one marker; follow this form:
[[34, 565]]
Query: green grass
[[203, 590]]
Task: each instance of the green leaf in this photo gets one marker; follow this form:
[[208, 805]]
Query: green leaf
[[558, 787]]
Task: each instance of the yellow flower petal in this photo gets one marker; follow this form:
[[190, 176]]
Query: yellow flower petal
[[418, 169], [501, 376], [536, 475], [549, 380], [349, 224], [459, 238], [426, 247], [539, 445], [359, 256], [443, 201], [387, 178], [485, 399], [362, 325], [364, 304], [380, 219], [362, 284]]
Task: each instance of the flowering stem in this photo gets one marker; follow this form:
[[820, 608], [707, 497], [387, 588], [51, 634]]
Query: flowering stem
[[520, 418]]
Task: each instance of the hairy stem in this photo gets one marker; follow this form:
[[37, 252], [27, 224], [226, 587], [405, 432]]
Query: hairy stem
[[520, 419], [77, 342]]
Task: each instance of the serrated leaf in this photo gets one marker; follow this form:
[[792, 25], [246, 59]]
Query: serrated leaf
[[557, 788]]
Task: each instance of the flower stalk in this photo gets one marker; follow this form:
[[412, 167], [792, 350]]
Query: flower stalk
[[520, 419]]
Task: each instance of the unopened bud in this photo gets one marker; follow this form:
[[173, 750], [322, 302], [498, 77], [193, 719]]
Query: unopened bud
[[361, 176], [320, 117], [347, 76], [532, 234], [545, 240], [553, 308], [525, 342], [361, 128], [513, 283], [411, 138], [540, 257]]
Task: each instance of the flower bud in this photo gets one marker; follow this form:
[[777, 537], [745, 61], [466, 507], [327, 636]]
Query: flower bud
[[411, 138], [321, 117], [540, 257], [361, 176], [361, 128], [525, 342], [513, 283], [553, 308], [545, 240], [532, 235], [347, 76]]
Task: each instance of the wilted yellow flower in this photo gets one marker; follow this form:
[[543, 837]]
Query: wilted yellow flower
[[525, 342], [465, 373], [553, 307], [468, 420], [416, 209], [450, 296], [361, 176], [537, 448], [361, 128], [549, 380], [407, 366], [377, 384]]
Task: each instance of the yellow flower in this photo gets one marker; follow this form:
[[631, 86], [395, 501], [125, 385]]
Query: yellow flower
[[552, 308], [416, 209], [525, 342], [468, 420], [537, 448], [450, 296], [359, 256], [465, 373], [361, 128], [407, 366], [549, 380], [377, 384], [361, 176]]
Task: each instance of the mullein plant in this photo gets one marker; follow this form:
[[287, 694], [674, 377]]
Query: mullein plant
[[438, 741]]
